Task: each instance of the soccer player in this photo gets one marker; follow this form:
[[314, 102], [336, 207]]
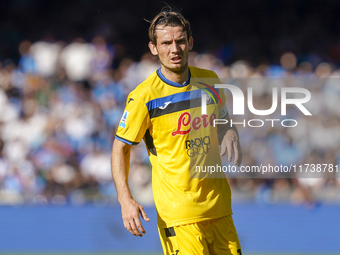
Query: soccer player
[[194, 213]]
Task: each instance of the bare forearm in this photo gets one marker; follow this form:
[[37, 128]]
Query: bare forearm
[[120, 161], [222, 130]]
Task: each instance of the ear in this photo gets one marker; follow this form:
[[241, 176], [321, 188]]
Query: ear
[[191, 43], [153, 49]]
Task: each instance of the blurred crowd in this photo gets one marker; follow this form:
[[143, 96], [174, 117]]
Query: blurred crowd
[[61, 103], [59, 109]]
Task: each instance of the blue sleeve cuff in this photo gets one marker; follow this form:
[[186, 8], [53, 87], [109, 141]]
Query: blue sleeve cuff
[[125, 141]]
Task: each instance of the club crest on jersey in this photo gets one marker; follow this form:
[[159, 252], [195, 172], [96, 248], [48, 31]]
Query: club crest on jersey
[[123, 120], [208, 97], [185, 124]]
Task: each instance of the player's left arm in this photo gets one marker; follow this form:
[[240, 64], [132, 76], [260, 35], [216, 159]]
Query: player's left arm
[[228, 136], [229, 141]]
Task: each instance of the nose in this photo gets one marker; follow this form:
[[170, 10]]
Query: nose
[[175, 47]]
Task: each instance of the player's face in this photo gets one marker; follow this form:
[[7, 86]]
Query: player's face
[[172, 48]]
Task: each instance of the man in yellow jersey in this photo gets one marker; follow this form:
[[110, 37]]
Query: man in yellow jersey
[[194, 214]]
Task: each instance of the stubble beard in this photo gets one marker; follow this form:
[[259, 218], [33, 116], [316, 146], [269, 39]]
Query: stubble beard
[[177, 70]]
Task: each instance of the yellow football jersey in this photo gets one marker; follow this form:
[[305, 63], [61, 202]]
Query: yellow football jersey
[[167, 115]]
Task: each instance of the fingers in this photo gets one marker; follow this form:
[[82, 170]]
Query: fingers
[[130, 225], [231, 146], [132, 220], [139, 226], [144, 216], [238, 155], [223, 149], [227, 146], [230, 150]]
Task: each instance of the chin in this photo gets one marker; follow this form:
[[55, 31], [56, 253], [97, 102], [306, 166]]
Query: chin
[[178, 68]]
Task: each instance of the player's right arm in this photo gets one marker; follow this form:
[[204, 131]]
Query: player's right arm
[[131, 130], [120, 161]]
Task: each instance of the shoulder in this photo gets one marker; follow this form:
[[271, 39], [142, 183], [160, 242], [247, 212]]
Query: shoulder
[[144, 89], [201, 73]]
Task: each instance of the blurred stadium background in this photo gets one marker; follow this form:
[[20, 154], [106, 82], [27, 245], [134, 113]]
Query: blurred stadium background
[[65, 70]]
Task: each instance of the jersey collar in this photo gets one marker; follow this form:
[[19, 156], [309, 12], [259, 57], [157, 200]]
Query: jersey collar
[[175, 84]]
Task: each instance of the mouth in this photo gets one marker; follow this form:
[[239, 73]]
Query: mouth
[[176, 60]]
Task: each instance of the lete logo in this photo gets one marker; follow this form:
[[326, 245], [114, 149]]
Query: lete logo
[[185, 120]]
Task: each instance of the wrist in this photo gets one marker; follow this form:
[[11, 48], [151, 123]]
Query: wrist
[[124, 197]]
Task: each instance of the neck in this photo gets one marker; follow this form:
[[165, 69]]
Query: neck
[[178, 77]]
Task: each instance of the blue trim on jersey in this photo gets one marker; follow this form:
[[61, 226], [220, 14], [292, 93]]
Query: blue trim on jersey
[[125, 141], [175, 84], [175, 98]]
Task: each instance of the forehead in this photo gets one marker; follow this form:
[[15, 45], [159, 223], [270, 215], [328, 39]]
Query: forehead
[[169, 32]]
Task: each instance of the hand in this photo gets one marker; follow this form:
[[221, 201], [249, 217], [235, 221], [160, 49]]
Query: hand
[[230, 144], [130, 214]]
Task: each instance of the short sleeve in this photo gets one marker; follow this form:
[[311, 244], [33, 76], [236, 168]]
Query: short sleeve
[[134, 122]]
